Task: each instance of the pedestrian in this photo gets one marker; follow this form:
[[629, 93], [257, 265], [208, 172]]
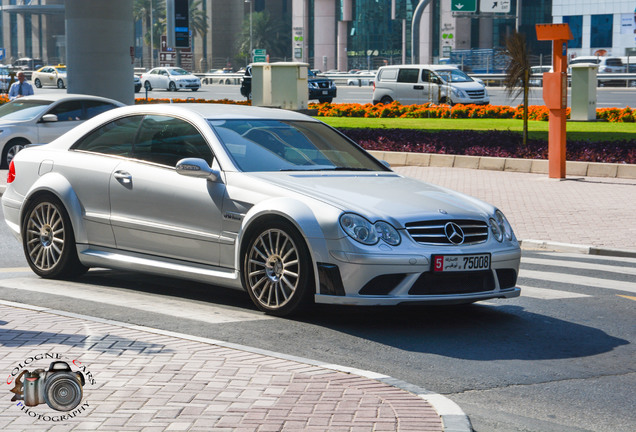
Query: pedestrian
[[20, 88]]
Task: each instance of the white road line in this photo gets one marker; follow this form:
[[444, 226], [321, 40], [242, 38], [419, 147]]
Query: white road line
[[581, 257], [197, 311], [548, 294], [579, 280], [581, 265]]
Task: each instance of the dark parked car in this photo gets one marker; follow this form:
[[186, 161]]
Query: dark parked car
[[319, 88]]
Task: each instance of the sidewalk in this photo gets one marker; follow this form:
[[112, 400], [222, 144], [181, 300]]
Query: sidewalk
[[148, 379], [142, 379]]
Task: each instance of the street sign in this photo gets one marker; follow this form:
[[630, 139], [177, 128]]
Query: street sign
[[496, 6], [260, 58], [463, 5], [259, 52]]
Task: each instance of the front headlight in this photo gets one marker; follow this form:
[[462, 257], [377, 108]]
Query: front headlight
[[505, 225], [500, 227], [363, 231], [460, 93]]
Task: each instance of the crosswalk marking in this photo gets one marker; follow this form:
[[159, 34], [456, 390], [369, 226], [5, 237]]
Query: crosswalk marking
[[548, 294], [581, 257], [579, 280], [581, 265], [205, 312]]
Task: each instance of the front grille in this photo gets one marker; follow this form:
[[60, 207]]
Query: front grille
[[324, 84], [453, 283], [475, 94], [432, 232]]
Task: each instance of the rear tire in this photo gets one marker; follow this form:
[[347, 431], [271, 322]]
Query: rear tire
[[60, 84], [386, 100], [37, 83], [147, 86], [48, 239]]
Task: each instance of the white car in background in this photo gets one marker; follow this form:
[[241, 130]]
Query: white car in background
[[170, 78], [50, 76], [40, 119]]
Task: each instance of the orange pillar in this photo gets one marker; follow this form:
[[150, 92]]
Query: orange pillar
[[555, 91]]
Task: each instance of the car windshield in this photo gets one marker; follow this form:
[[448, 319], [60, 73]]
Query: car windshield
[[178, 72], [275, 145], [594, 61], [22, 110], [453, 75]]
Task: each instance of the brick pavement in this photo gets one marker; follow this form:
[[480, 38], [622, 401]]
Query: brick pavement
[[144, 381]]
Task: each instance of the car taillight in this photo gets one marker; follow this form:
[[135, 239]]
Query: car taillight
[[11, 175]]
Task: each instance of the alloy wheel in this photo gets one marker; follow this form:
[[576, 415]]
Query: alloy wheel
[[273, 269], [45, 236]]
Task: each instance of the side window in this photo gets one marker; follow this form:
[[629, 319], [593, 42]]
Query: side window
[[426, 75], [68, 111], [166, 140], [96, 107], [408, 75], [388, 75], [114, 138]]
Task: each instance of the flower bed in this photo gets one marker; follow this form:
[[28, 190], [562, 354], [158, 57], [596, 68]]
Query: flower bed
[[488, 143], [397, 110]]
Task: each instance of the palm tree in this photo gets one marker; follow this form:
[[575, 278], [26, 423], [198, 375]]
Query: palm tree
[[273, 36], [518, 74], [143, 10]]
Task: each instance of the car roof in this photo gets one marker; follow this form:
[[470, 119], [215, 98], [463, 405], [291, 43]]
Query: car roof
[[55, 97], [428, 66], [215, 111]]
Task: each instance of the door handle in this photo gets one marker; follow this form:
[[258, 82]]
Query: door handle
[[418, 87], [123, 177]]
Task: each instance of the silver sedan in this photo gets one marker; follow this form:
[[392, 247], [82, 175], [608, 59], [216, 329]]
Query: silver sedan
[[269, 201]]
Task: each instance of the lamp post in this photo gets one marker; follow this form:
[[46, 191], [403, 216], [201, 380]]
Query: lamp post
[[251, 2]]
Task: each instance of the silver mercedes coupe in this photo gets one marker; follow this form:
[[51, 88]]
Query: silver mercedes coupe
[[269, 201]]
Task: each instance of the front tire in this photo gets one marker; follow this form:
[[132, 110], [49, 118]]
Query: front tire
[[277, 271], [10, 150], [48, 239], [172, 87]]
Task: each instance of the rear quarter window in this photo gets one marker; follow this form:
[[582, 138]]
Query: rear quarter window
[[388, 75]]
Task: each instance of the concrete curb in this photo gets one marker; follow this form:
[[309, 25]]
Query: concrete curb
[[453, 417], [534, 166], [574, 248]]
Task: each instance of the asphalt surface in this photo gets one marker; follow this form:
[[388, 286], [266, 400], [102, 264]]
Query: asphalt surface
[[148, 379]]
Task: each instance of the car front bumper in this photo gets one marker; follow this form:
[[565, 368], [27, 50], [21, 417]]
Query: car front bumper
[[394, 279]]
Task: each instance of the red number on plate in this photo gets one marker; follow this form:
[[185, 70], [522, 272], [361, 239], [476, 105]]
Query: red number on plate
[[439, 263]]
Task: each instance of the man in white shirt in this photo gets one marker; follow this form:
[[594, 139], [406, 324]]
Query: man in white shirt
[[20, 88]]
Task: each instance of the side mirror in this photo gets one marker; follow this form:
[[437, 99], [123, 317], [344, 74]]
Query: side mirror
[[48, 118], [196, 167]]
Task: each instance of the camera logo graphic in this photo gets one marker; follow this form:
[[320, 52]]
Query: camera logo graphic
[[59, 387]]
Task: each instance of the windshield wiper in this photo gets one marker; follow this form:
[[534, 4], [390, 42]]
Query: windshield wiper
[[344, 169]]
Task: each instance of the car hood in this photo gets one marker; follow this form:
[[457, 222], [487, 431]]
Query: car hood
[[386, 196], [467, 85]]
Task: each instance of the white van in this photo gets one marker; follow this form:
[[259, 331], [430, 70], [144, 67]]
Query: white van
[[419, 84]]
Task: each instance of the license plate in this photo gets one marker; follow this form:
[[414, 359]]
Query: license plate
[[460, 263], [325, 92]]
